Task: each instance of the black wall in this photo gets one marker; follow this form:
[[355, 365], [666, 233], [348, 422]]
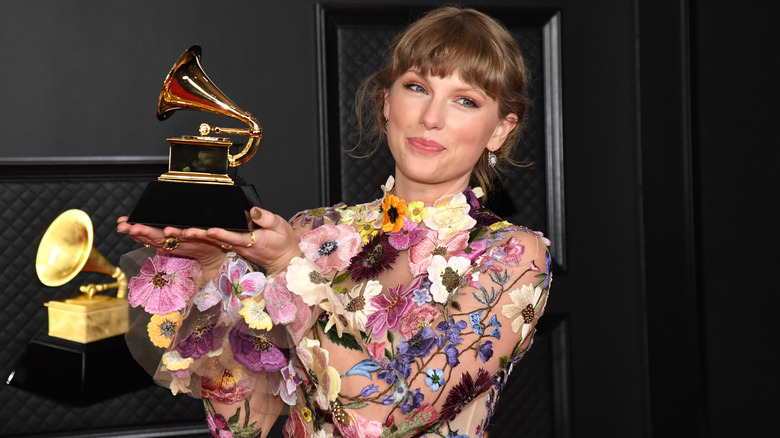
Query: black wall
[[669, 146]]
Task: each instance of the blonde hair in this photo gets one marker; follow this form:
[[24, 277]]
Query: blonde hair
[[485, 55]]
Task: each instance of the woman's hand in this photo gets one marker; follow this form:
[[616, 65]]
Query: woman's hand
[[271, 246], [209, 255]]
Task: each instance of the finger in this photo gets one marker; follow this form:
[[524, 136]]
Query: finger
[[264, 218]]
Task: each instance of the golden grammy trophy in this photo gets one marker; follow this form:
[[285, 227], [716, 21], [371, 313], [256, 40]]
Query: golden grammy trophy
[[85, 347], [66, 249], [201, 188]]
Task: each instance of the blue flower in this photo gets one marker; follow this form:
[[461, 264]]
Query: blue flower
[[496, 332], [476, 322], [435, 379], [421, 296], [486, 351]]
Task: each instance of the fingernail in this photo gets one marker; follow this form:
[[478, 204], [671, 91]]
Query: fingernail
[[256, 213]]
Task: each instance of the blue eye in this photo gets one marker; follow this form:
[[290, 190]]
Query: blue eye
[[465, 101], [415, 87]]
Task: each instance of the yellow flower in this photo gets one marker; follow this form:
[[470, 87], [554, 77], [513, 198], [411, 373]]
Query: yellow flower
[[416, 211], [394, 210], [161, 328], [174, 362], [306, 414], [499, 225], [254, 314], [367, 231]]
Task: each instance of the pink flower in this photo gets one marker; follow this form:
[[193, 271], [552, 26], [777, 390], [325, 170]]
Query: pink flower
[[279, 302], [416, 319], [514, 250], [353, 425], [391, 308], [330, 246], [410, 234], [420, 255], [295, 426], [164, 284], [376, 349], [239, 284], [300, 324]]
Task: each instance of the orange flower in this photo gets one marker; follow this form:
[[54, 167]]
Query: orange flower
[[162, 328], [394, 211]]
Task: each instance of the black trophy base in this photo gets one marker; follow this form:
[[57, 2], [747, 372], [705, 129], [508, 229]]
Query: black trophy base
[[78, 374], [191, 205]]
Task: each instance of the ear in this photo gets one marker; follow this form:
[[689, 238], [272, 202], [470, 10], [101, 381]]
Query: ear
[[504, 127], [386, 108]]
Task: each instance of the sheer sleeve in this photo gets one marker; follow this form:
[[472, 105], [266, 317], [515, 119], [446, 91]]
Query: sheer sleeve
[[211, 340], [491, 326]]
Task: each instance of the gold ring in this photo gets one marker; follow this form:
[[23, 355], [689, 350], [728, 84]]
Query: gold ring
[[227, 247], [252, 242], [170, 244], [147, 245]]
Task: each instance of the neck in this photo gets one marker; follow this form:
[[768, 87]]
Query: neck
[[428, 193]]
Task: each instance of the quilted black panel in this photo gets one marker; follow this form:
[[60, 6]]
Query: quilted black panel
[[27, 207]]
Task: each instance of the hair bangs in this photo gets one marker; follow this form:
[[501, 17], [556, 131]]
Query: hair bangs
[[449, 46]]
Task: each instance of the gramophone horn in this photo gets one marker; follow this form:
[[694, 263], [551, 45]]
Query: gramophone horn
[[67, 249], [188, 87]]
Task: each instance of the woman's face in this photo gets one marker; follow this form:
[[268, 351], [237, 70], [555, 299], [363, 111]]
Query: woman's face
[[437, 130]]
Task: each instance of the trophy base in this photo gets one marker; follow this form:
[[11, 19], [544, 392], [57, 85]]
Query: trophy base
[[191, 205], [78, 374]]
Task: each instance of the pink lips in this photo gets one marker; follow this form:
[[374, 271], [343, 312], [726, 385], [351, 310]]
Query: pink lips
[[425, 146]]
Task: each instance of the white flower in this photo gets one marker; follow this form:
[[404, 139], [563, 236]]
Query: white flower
[[449, 215], [446, 275], [524, 302], [357, 304], [174, 362], [304, 279]]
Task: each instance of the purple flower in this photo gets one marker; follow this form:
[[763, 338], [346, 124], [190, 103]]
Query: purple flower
[[482, 215], [256, 352], [486, 351], [205, 336], [420, 345], [412, 402], [452, 355], [368, 390]]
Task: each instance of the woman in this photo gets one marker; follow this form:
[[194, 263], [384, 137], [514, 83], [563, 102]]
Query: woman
[[398, 317]]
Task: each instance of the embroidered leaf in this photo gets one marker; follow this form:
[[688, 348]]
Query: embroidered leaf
[[499, 278], [347, 340], [388, 354], [487, 299], [341, 278], [340, 289], [355, 405], [363, 368], [390, 336], [476, 233], [455, 305], [502, 361], [412, 424]]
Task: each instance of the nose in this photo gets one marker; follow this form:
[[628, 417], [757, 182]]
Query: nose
[[432, 115]]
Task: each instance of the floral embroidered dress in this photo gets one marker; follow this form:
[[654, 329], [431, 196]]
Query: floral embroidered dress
[[398, 319]]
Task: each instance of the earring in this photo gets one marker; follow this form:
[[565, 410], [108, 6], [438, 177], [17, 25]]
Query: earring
[[386, 122], [492, 159]]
